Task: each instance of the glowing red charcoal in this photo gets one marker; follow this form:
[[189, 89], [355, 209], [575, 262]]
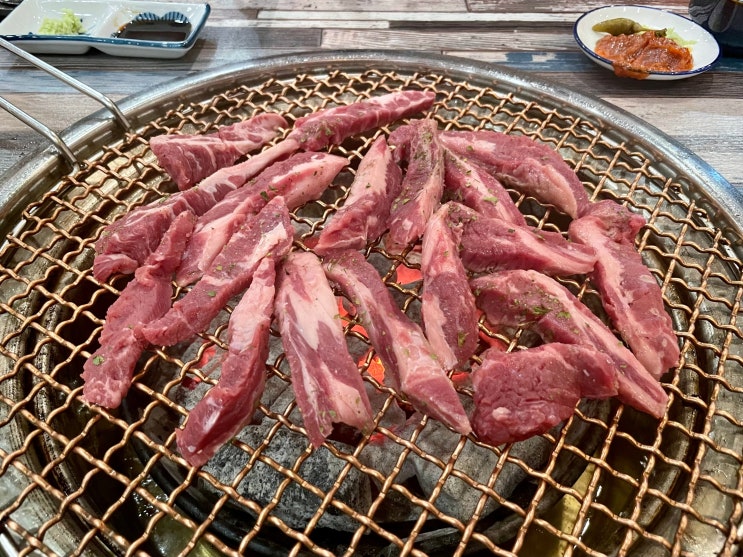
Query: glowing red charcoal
[[375, 367]]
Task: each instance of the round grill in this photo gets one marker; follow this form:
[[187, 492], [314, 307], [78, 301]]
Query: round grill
[[82, 480]]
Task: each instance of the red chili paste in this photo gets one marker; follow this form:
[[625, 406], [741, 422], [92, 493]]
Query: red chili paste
[[638, 54]]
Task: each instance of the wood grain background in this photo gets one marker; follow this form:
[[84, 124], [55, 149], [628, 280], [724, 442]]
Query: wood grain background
[[704, 113]]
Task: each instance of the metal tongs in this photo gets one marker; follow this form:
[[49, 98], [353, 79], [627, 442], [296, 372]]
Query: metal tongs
[[44, 130]]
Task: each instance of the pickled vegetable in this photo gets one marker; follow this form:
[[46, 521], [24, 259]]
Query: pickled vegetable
[[624, 26]]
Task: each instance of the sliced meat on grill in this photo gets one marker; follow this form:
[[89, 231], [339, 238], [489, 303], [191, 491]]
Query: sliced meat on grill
[[333, 125], [526, 165], [109, 264], [524, 393], [108, 372], [363, 217], [630, 294], [270, 232], [447, 303], [228, 406], [468, 183], [536, 301], [298, 179], [327, 382], [491, 244], [125, 244], [188, 159], [409, 361], [400, 139], [422, 187]]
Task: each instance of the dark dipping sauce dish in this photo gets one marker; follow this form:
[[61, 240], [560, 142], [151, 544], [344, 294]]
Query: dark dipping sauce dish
[[147, 27]]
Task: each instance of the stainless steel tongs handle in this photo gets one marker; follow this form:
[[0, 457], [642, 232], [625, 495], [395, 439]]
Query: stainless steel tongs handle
[[47, 132]]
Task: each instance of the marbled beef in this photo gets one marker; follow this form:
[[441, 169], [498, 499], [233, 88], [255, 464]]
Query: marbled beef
[[409, 361], [422, 187], [526, 165], [363, 216], [629, 292], [108, 372], [327, 382], [536, 301], [491, 244], [298, 179], [468, 183], [125, 244], [228, 406], [447, 303], [333, 125], [526, 392], [190, 158], [270, 233]]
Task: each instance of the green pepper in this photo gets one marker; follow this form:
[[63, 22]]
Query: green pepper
[[624, 26]]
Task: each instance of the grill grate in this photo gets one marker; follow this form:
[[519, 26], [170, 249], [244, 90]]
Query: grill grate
[[81, 480]]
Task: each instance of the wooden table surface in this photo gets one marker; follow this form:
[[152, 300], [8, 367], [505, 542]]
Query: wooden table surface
[[704, 113]]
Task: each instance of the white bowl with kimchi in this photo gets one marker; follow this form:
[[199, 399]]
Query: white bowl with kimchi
[[682, 34]]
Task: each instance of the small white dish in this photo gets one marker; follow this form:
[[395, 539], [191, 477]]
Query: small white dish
[[100, 21], [704, 49]]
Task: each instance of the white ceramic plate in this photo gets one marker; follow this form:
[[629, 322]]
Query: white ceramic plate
[[704, 49], [100, 20]]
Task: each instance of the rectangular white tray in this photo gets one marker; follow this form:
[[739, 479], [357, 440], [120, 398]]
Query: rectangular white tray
[[100, 21]]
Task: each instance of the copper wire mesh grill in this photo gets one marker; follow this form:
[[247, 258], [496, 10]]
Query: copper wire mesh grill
[[609, 481]]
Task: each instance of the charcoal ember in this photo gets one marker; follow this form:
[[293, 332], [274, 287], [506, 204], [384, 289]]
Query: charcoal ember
[[394, 417], [357, 348], [297, 504], [382, 454], [189, 393], [458, 498]]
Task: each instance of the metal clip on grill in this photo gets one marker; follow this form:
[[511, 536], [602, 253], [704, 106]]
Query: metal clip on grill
[[81, 480], [39, 127]]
